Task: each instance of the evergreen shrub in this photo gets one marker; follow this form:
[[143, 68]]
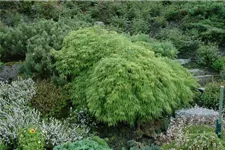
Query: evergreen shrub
[[49, 99], [33, 41], [219, 64], [49, 34], [85, 144], [207, 54], [183, 42], [119, 80], [210, 97]]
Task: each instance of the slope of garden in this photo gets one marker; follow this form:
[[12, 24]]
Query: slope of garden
[[106, 75]]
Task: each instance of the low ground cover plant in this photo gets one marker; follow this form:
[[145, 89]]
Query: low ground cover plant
[[18, 119]]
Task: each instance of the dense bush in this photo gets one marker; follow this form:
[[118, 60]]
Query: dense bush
[[49, 99], [85, 144], [207, 54], [31, 139], [197, 137], [219, 64], [206, 19], [109, 73], [210, 97], [33, 41], [184, 43], [10, 11]]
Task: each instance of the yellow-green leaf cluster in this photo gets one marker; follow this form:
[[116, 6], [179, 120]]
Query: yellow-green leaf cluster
[[119, 80]]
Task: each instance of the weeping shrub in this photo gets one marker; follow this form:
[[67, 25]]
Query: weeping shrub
[[121, 81]]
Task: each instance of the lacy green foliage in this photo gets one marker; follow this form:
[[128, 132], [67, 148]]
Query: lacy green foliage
[[31, 138], [119, 80], [207, 54], [85, 144], [210, 97], [197, 137], [133, 89], [161, 48], [49, 99]]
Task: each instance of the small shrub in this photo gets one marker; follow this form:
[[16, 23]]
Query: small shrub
[[218, 64], [49, 99], [30, 139], [85, 144], [57, 132], [197, 137], [139, 26], [11, 18], [196, 116], [207, 54], [210, 97], [82, 116], [47, 10], [184, 43], [48, 35]]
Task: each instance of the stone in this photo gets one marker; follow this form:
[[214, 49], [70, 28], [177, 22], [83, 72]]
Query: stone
[[197, 72], [183, 61], [204, 79], [100, 23], [197, 111], [9, 72], [201, 89]]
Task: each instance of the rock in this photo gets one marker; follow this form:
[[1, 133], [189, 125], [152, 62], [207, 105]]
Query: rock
[[9, 72], [100, 23], [183, 61], [197, 112], [197, 72], [201, 89], [196, 116], [204, 79]]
